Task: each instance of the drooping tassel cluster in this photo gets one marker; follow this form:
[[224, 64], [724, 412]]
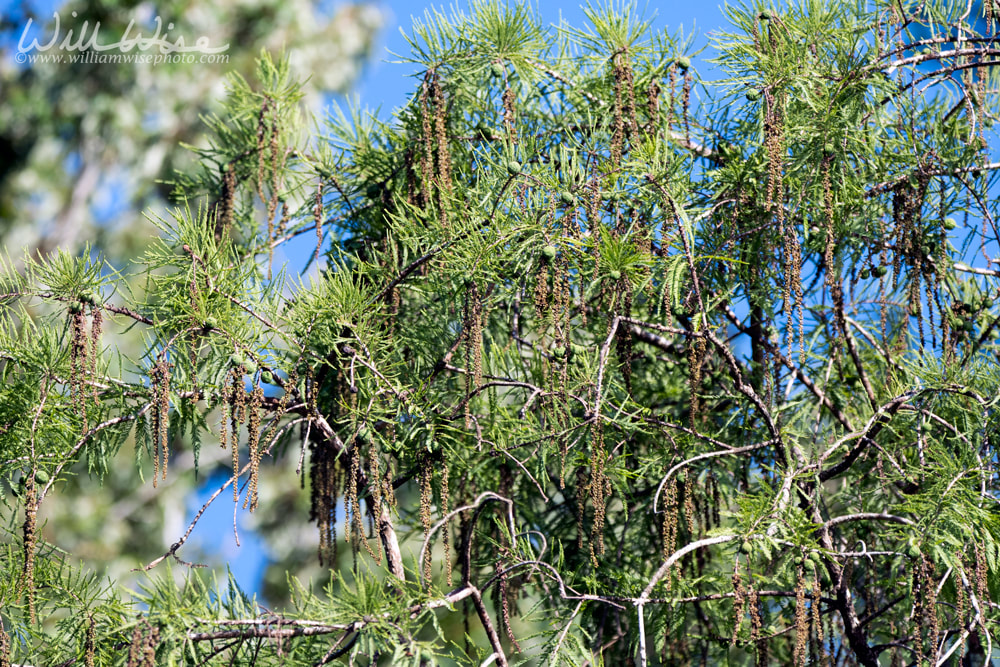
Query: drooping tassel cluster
[[435, 174], [426, 500], [757, 624], [445, 494], [377, 484], [581, 504], [142, 649], [253, 443], [919, 613], [324, 477], [234, 411], [653, 107], [509, 100], [79, 364], [160, 386], [354, 530], [801, 618], [427, 139], [30, 540], [961, 596], [4, 647], [623, 114], [671, 514], [318, 219], [89, 643], [472, 317], [599, 489], [833, 282], [96, 329], [979, 581], [556, 316], [929, 609], [912, 249], [444, 186], [224, 223], [696, 360], [739, 601], [686, 104], [817, 648]]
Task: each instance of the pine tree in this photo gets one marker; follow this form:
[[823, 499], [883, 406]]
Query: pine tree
[[605, 362]]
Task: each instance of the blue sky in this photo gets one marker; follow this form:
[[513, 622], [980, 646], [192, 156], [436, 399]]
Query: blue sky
[[384, 82]]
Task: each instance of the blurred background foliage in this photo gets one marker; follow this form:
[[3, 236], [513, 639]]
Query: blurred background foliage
[[85, 150]]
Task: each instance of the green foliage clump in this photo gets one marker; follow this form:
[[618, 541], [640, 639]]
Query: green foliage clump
[[594, 370]]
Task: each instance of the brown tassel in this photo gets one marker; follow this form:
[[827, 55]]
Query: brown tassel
[[30, 537]]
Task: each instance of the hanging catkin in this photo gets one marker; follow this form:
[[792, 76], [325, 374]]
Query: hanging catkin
[[323, 499], [426, 495], [427, 140], [818, 648], [445, 508], [354, 481], [581, 504], [929, 608], [318, 219], [237, 415], [801, 618], [739, 601], [509, 100], [261, 147], [160, 386], [89, 645], [96, 329], [78, 361], [4, 647], [757, 625], [473, 333], [623, 114], [919, 615], [623, 335], [444, 186], [253, 444], [277, 169], [829, 259], [979, 577], [686, 105], [961, 596], [30, 537], [668, 528], [599, 488], [653, 107]]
